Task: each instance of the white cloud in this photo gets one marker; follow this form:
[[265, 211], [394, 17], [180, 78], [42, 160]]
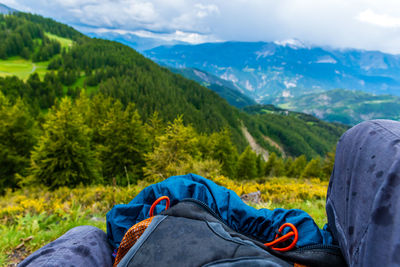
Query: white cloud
[[366, 24], [187, 37], [205, 10], [382, 20]]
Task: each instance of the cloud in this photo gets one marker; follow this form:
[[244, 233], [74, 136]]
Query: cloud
[[187, 37], [382, 20], [205, 10], [365, 24]]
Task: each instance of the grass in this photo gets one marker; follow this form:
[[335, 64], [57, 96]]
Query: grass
[[65, 43], [22, 68], [286, 106], [45, 215], [43, 228], [80, 82], [315, 208]]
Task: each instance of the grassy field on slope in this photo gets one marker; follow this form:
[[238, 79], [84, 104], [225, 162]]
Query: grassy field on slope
[[65, 42], [22, 68], [33, 217]]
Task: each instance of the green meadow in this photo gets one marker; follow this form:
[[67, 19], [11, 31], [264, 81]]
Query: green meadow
[[65, 43], [22, 68]]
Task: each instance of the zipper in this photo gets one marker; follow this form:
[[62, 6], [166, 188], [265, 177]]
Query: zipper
[[307, 247], [207, 208], [318, 246]]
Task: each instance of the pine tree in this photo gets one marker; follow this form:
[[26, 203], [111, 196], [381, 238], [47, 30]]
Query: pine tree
[[124, 143], [17, 137], [174, 152], [270, 163], [260, 163], [289, 168], [327, 165], [279, 168], [63, 156], [247, 166], [298, 166], [155, 127], [313, 169], [224, 151]]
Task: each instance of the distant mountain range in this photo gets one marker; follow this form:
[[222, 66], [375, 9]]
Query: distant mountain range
[[345, 106], [132, 40], [287, 73], [224, 88], [267, 71], [6, 10], [159, 95]]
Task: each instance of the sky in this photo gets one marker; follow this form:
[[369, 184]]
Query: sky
[[362, 24]]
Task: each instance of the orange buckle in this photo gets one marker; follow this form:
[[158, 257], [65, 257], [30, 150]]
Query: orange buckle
[[285, 237], [158, 201]]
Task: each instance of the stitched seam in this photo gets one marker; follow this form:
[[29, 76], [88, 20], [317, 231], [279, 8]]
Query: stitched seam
[[227, 239], [147, 237], [382, 127]]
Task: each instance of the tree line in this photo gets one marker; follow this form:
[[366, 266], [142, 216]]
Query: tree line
[[67, 134], [20, 35], [99, 140], [120, 72]]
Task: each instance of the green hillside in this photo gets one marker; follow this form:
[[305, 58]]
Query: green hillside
[[22, 68], [311, 137], [115, 70], [345, 106], [87, 123], [225, 89]]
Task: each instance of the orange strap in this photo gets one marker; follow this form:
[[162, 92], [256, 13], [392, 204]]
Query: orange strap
[[158, 201], [285, 237]]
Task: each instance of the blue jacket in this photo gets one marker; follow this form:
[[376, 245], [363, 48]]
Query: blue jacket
[[261, 224]]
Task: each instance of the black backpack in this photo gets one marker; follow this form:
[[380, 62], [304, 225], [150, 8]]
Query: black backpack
[[191, 234]]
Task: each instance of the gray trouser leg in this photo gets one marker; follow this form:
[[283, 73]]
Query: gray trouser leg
[[363, 202], [81, 246]]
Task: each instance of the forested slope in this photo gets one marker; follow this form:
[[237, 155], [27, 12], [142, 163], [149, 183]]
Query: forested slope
[[117, 71], [102, 111], [297, 132]]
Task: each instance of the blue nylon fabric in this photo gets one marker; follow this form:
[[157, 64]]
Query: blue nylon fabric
[[262, 224]]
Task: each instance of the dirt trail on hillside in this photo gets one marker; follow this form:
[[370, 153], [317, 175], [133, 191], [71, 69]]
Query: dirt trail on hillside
[[275, 144], [253, 144], [33, 68]]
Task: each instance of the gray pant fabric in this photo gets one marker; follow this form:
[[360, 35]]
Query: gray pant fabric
[[81, 246], [363, 201], [363, 206]]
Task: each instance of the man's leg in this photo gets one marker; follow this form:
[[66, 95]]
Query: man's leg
[[363, 202], [81, 246]]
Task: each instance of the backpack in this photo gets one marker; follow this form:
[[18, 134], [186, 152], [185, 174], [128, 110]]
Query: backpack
[[190, 233]]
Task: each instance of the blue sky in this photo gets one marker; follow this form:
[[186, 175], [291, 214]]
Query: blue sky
[[365, 24]]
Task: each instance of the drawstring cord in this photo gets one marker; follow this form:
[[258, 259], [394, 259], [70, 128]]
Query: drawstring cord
[[158, 201], [294, 233], [285, 237]]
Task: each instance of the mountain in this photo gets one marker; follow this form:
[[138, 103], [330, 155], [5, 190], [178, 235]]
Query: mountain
[[270, 70], [6, 10], [135, 41], [225, 89], [292, 132], [62, 62], [345, 106]]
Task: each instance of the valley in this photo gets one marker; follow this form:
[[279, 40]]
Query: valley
[[286, 73], [124, 95]]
